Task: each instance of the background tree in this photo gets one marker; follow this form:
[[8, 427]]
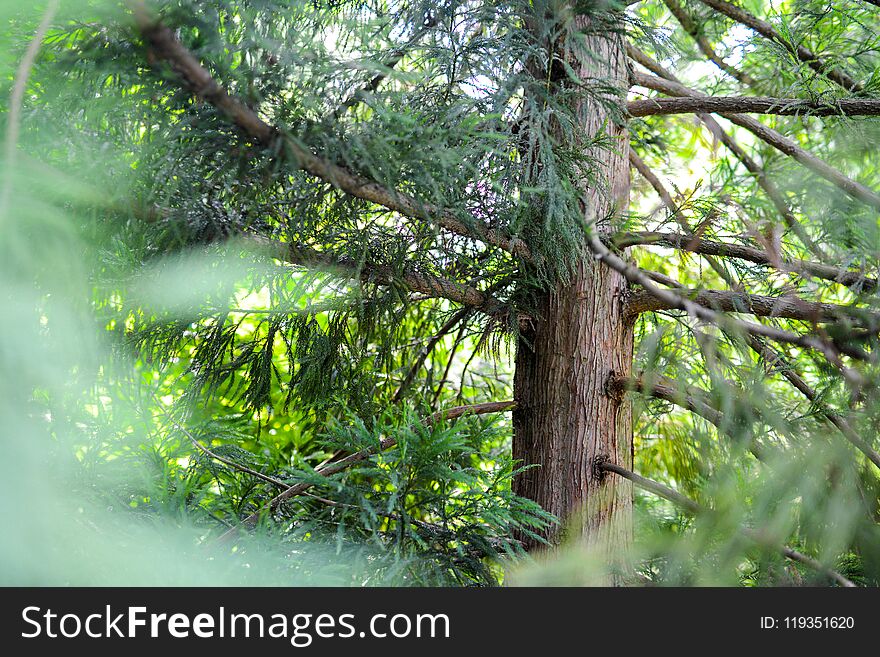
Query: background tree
[[331, 229]]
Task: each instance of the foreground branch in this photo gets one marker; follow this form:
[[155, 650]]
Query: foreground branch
[[775, 360], [694, 508]]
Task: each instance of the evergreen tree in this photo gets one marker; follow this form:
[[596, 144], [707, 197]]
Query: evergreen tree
[[340, 240]]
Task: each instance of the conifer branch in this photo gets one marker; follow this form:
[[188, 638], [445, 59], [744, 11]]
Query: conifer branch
[[357, 457], [831, 351], [665, 389], [786, 306], [450, 324], [802, 53], [222, 459], [772, 192], [390, 62], [428, 285], [771, 137], [847, 277], [670, 204], [690, 26], [754, 105], [164, 45], [694, 508], [776, 361]]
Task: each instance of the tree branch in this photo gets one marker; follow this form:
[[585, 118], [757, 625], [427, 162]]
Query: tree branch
[[426, 284], [691, 27], [802, 53], [771, 137], [788, 307], [694, 508], [450, 324], [666, 197], [166, 46], [730, 143], [775, 360], [831, 352], [663, 388], [754, 104], [357, 457], [849, 278]]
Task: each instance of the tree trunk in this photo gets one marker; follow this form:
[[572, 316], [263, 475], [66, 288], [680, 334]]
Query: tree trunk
[[566, 418]]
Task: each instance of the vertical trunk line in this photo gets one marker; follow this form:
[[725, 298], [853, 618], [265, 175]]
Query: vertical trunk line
[[566, 418]]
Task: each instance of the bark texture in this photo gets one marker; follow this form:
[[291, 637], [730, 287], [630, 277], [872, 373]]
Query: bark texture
[[567, 416]]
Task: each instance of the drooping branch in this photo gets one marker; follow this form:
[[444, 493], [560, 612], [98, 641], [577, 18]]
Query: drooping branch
[[690, 26], [694, 508], [786, 306], [166, 46], [450, 324], [771, 137], [754, 104], [802, 53], [427, 284], [849, 278], [357, 457]]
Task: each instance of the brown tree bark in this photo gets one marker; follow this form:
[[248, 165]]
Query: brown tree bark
[[566, 416]]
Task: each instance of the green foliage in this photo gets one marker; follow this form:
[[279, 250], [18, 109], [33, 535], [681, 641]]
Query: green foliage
[[143, 314]]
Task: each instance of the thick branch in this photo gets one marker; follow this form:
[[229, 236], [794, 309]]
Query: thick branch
[[770, 136], [804, 54], [662, 388], [754, 104], [788, 307], [166, 46], [342, 464], [702, 246], [694, 508]]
